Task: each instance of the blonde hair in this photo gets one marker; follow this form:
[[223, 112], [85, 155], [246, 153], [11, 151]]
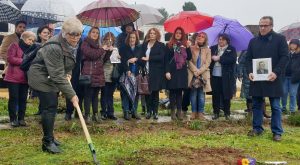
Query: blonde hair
[[157, 33], [28, 34], [71, 25]]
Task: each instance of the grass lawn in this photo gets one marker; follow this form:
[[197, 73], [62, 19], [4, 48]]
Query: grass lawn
[[147, 142]]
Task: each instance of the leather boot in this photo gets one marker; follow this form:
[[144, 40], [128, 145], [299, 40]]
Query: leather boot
[[264, 110], [173, 115], [50, 147], [193, 116], [200, 116], [155, 114], [95, 118], [56, 142], [179, 114], [87, 119], [48, 126], [149, 114], [126, 115], [249, 107], [215, 117], [136, 116]]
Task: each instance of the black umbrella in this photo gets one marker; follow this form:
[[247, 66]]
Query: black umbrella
[[9, 13]]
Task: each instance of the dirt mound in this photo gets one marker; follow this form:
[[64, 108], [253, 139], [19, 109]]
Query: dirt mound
[[184, 156]]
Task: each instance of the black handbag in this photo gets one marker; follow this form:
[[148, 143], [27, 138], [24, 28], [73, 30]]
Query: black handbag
[[85, 79], [115, 75]]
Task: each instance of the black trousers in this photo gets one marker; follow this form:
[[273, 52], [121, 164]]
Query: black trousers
[[48, 103], [17, 100], [218, 96], [107, 99], [175, 99], [91, 95], [186, 101], [152, 102]]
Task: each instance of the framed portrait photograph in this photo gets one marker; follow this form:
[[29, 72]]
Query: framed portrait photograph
[[262, 67]]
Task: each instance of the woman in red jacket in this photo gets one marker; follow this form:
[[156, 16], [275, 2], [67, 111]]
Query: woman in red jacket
[[93, 55], [17, 82]]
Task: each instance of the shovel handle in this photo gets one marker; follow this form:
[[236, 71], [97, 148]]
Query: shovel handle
[[84, 127]]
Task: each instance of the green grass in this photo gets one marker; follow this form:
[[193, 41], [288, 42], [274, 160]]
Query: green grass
[[125, 143]]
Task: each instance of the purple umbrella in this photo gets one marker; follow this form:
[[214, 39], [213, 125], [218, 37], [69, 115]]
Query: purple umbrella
[[239, 35]]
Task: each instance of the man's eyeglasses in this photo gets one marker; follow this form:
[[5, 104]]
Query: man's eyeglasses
[[264, 26]]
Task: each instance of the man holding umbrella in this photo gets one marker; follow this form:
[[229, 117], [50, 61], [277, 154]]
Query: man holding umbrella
[[267, 45]]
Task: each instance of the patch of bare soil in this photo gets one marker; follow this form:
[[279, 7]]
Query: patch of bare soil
[[184, 156]]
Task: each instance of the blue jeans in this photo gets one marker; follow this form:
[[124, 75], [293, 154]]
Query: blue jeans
[[289, 88], [126, 102], [257, 121], [197, 100]]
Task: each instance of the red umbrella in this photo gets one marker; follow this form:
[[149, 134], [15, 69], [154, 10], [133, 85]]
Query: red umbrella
[[291, 31], [107, 13], [190, 21]]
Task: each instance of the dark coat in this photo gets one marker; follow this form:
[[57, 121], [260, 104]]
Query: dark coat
[[242, 73], [156, 65], [228, 63], [93, 62], [128, 53], [273, 46], [179, 77], [50, 75], [295, 67], [122, 37]]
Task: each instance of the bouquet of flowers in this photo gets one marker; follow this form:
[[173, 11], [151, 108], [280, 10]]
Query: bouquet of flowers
[[246, 161]]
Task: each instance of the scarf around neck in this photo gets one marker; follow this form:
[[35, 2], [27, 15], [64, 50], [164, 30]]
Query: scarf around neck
[[180, 54]]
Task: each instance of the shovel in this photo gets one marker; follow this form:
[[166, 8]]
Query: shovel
[[87, 135]]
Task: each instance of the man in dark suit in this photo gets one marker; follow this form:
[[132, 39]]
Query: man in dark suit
[[268, 44], [261, 68]]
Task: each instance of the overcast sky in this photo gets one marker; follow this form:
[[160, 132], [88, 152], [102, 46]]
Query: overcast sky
[[247, 12]]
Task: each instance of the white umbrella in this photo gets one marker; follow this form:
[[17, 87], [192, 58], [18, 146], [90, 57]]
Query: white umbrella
[[148, 14], [37, 12], [9, 13]]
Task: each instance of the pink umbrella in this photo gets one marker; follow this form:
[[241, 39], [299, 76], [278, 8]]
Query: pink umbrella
[[107, 13]]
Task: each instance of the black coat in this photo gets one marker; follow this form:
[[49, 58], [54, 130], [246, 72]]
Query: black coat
[[295, 68], [273, 46], [128, 53], [179, 77], [156, 65], [228, 63]]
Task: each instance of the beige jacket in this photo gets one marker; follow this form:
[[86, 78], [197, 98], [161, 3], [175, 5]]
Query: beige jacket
[[5, 45], [204, 69]]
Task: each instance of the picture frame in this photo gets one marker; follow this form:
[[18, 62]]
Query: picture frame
[[262, 67]]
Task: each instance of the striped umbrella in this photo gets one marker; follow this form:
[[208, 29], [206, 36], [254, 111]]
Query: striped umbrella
[[9, 13], [107, 13]]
